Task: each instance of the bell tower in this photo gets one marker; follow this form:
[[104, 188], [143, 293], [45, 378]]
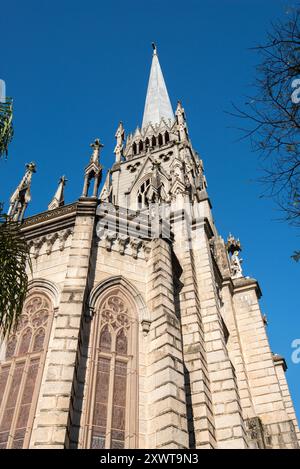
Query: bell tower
[[157, 162]]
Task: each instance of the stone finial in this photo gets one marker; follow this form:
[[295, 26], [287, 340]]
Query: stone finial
[[120, 135], [96, 146], [21, 197], [106, 190], [31, 167], [181, 122], [58, 199], [93, 171]]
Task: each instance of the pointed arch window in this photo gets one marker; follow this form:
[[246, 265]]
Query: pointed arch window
[[20, 371], [160, 140], [142, 198], [112, 388]]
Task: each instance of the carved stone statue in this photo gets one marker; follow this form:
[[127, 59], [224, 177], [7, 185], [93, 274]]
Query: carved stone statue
[[120, 134], [233, 248], [235, 264]]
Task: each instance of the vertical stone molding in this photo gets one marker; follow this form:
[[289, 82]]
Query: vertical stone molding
[[166, 419], [55, 410], [198, 393], [229, 424], [281, 367], [266, 392], [235, 350]]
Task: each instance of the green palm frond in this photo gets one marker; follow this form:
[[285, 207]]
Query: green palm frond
[[14, 256], [6, 126]]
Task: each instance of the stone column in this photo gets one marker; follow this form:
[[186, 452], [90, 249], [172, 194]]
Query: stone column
[[263, 382], [198, 393], [55, 406], [229, 424], [166, 419], [281, 367], [235, 350]]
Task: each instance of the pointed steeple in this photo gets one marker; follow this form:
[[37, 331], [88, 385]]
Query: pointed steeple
[[21, 197], [58, 199], [93, 171], [181, 122], [157, 103], [120, 134]]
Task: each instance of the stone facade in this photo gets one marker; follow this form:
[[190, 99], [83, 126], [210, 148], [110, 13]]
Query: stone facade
[[155, 338]]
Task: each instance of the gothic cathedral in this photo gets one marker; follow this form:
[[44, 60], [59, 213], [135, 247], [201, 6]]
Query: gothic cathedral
[[140, 329]]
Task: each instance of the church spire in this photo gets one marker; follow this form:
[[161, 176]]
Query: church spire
[[93, 170], [21, 197], [58, 199], [157, 103]]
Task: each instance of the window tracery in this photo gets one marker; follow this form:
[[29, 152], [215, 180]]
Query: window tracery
[[112, 375], [20, 370]]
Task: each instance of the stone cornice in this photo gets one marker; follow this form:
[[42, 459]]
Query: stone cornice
[[196, 223], [246, 283], [202, 195], [86, 206], [49, 221], [279, 361]]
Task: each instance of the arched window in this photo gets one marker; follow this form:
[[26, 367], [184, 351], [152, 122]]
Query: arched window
[[160, 140], [112, 388], [167, 137], [147, 143], [141, 146], [142, 200], [153, 141], [20, 371], [134, 148]]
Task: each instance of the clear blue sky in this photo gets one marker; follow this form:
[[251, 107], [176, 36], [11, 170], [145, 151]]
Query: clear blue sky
[[75, 69]]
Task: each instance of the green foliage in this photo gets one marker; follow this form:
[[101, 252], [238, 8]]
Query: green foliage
[[6, 127], [14, 256]]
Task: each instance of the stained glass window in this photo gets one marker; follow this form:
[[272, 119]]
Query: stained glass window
[[24, 353], [115, 328]]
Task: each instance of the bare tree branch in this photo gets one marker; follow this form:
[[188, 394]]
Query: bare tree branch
[[274, 111]]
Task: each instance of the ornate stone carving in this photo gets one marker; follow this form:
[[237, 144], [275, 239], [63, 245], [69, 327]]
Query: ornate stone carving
[[124, 244], [122, 241], [147, 250], [135, 245], [256, 433], [145, 327], [49, 240], [115, 313]]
